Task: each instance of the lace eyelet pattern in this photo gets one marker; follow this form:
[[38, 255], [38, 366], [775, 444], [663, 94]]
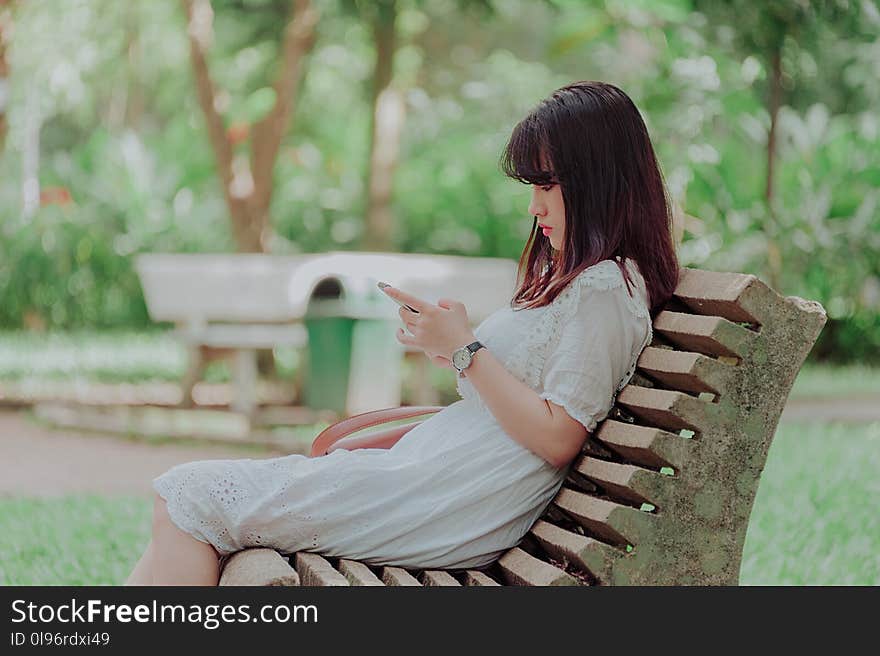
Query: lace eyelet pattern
[[526, 362]]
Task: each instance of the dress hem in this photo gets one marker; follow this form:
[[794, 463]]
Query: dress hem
[[177, 518]]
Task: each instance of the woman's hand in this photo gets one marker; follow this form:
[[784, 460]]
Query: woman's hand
[[437, 329]]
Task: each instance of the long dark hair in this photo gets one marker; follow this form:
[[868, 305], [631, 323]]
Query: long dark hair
[[590, 139]]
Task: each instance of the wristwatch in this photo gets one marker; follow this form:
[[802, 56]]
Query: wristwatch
[[462, 358]]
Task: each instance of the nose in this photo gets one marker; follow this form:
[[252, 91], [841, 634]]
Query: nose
[[536, 207]]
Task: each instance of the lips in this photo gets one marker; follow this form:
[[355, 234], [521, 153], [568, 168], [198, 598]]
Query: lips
[[546, 229]]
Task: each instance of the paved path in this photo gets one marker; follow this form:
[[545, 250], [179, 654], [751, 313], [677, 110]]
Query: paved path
[[856, 410], [37, 461]]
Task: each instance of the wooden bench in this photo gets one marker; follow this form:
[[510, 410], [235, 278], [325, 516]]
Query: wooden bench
[[663, 489]]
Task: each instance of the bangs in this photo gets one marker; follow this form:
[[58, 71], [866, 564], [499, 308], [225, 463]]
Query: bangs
[[525, 157]]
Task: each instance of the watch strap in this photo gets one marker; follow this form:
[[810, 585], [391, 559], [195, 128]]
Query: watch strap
[[473, 347]]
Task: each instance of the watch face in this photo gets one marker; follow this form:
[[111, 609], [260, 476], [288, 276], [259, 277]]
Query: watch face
[[461, 358]]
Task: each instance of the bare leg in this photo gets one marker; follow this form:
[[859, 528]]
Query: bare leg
[[178, 557], [142, 574]]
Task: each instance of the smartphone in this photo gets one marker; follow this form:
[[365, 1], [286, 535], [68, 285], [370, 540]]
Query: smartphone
[[383, 285]]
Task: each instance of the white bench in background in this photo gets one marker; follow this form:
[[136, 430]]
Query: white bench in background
[[246, 302]]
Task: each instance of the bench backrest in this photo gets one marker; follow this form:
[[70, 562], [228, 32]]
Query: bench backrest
[[663, 491]]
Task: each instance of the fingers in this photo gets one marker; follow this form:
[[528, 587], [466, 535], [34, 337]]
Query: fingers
[[452, 304], [407, 315], [403, 338], [410, 319], [418, 304]]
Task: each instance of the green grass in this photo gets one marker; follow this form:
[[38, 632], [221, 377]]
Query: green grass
[[814, 522], [74, 540], [111, 357], [100, 356], [823, 381]]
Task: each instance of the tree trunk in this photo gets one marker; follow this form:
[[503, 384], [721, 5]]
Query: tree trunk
[[299, 39], [247, 182], [5, 25], [386, 126], [30, 157], [135, 94], [774, 256]]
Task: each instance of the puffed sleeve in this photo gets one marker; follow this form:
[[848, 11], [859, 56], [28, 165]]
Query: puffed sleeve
[[600, 340]]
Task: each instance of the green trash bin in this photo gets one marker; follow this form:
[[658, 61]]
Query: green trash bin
[[354, 359], [329, 362]]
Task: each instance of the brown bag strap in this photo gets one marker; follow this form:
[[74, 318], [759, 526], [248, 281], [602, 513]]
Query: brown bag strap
[[378, 439], [363, 420]]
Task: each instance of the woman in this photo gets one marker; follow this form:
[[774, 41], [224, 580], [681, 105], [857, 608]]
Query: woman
[[464, 486]]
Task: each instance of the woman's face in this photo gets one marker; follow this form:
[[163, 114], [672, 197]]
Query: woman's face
[[548, 206]]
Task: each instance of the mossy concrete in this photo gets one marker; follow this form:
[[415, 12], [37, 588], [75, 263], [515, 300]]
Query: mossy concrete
[[698, 536]]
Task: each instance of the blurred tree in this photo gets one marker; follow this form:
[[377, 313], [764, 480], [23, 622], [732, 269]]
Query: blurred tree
[[386, 125], [248, 182], [132, 104], [767, 30], [5, 27], [388, 112]]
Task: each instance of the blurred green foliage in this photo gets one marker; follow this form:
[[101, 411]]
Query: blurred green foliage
[[122, 132]]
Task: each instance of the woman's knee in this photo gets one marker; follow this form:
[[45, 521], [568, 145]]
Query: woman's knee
[[160, 512]]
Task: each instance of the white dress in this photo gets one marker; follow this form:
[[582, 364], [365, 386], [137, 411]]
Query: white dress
[[456, 491]]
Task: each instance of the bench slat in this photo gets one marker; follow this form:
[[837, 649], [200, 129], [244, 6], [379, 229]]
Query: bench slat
[[643, 445], [437, 577], [716, 293], [244, 335], [626, 482], [714, 336], [263, 567], [398, 576], [594, 557], [315, 570], [476, 577], [613, 523], [521, 568], [687, 371], [666, 409], [357, 573]]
